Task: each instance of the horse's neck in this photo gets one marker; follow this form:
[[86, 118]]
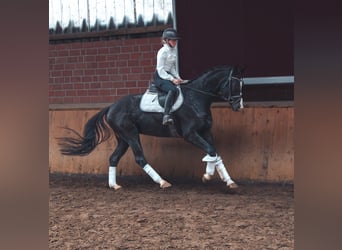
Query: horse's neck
[[208, 82], [200, 93]]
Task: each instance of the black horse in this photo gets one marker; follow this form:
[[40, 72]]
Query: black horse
[[192, 121]]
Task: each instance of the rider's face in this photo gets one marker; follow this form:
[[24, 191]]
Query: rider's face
[[172, 42]]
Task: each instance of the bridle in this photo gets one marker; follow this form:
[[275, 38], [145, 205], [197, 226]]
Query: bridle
[[232, 99]]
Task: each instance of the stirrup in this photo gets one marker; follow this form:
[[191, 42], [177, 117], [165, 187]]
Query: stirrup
[[167, 119]]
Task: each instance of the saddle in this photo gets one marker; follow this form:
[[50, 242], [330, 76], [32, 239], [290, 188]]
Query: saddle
[[153, 100]]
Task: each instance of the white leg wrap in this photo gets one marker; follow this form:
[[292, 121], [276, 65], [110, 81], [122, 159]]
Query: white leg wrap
[[112, 178], [210, 169], [223, 172], [152, 173], [209, 158]]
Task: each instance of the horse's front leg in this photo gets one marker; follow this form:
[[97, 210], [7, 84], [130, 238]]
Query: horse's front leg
[[217, 163], [212, 159]]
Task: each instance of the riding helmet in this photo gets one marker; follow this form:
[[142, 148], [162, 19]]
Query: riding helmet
[[170, 33]]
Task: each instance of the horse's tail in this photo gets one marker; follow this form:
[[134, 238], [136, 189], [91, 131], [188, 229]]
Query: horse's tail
[[95, 132]]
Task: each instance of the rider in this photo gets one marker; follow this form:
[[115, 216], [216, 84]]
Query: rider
[[166, 76]]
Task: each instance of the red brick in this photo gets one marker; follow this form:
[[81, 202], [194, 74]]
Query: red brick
[[123, 71], [67, 73], [101, 58], [90, 58], [114, 92], [56, 100], [61, 60], [115, 50], [146, 62], [122, 92], [68, 86], [91, 65], [145, 47], [112, 57], [107, 99], [131, 84], [75, 52], [103, 50], [57, 73], [75, 79], [104, 92], [85, 99], [82, 92], [135, 91], [89, 72], [101, 71], [59, 79], [124, 56], [70, 93], [92, 51], [103, 64], [76, 46], [116, 77], [136, 69], [112, 71], [94, 85], [78, 72], [59, 93], [87, 79], [73, 59], [106, 85], [134, 77], [122, 63], [58, 67], [132, 63], [63, 53], [104, 78], [93, 92], [55, 87]]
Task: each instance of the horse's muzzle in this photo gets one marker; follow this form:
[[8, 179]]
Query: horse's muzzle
[[237, 104]]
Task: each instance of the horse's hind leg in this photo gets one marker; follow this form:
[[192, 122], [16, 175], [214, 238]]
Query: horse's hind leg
[[141, 161], [114, 160], [131, 137]]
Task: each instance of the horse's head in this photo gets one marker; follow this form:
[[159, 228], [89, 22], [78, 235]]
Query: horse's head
[[231, 88]]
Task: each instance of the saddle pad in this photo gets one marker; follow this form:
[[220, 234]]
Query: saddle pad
[[149, 102]]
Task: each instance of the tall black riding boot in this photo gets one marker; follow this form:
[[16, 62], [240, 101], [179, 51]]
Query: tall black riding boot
[[167, 119]]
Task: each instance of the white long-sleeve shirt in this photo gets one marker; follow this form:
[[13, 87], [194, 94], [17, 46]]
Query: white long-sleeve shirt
[[166, 63]]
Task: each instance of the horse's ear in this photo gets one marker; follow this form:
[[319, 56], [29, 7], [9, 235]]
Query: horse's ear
[[243, 69], [239, 70]]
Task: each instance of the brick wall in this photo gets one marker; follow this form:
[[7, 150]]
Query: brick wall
[[100, 71]]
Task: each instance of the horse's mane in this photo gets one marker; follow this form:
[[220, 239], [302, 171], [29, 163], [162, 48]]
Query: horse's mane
[[211, 71]]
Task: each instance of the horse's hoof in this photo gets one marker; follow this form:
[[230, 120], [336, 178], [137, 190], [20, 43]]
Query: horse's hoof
[[164, 184], [206, 178], [115, 186], [232, 186]]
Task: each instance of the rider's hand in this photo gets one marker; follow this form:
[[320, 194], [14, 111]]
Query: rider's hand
[[177, 81]]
